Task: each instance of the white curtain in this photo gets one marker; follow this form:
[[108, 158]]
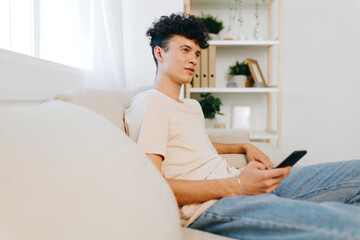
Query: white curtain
[[82, 34], [108, 61], [90, 36]]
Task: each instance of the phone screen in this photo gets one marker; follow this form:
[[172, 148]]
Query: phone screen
[[292, 159]]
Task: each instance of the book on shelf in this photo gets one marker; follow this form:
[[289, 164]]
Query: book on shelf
[[212, 66], [196, 77], [204, 80]]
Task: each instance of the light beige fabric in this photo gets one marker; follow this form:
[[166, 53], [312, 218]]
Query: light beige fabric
[[161, 125], [111, 104], [193, 234], [67, 173], [228, 135]]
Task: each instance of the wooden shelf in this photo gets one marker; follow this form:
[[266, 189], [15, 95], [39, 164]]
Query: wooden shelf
[[265, 43], [234, 90], [253, 135], [200, 3]]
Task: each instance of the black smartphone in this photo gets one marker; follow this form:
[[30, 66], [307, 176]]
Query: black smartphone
[[292, 159]]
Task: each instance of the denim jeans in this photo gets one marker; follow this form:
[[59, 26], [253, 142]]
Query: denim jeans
[[309, 204]]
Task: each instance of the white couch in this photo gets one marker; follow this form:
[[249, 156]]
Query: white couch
[[68, 171]]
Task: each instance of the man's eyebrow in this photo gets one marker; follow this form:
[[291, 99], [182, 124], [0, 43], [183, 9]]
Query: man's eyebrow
[[187, 46], [184, 45]]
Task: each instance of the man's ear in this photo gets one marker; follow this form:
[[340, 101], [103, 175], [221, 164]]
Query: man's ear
[[159, 53]]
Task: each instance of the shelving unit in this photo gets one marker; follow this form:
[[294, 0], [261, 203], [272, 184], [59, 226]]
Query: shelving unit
[[234, 90], [266, 43], [266, 102]]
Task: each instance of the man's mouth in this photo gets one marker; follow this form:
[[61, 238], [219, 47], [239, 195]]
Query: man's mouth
[[191, 70]]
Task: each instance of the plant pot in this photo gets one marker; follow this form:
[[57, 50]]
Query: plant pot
[[210, 123], [214, 36], [240, 80]]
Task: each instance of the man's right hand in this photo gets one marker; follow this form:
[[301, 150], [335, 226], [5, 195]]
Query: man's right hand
[[257, 179]]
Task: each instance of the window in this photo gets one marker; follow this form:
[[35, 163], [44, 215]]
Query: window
[[59, 31]]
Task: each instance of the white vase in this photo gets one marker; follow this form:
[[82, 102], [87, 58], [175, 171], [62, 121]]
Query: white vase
[[240, 80], [210, 123], [214, 36]]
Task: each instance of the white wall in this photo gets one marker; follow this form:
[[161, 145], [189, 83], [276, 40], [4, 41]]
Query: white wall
[[137, 18], [321, 79]]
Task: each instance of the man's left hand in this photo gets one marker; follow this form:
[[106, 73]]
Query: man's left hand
[[254, 154]]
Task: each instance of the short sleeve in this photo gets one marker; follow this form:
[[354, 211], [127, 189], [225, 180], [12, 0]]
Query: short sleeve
[[148, 125]]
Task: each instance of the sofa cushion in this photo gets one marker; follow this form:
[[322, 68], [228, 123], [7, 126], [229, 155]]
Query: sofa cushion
[[194, 234], [68, 173], [227, 135], [111, 104]]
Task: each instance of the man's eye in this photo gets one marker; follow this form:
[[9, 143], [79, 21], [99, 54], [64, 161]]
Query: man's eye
[[185, 50], [197, 55]]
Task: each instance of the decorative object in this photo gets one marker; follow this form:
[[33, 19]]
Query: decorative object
[[235, 15], [240, 80], [231, 83], [210, 123], [255, 32], [240, 117], [239, 73], [256, 72], [220, 125], [212, 24], [210, 107]]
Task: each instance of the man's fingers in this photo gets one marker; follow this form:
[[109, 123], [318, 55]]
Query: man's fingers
[[280, 172], [268, 163], [258, 165]]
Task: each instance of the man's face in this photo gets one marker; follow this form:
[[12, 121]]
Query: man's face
[[180, 60]]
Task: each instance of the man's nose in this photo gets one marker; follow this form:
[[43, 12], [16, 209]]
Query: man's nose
[[193, 60]]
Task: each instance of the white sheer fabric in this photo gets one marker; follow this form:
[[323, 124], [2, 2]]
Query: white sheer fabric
[[108, 60], [89, 29], [84, 34]]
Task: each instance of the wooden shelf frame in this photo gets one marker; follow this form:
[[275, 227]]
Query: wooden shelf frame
[[235, 90], [265, 43]]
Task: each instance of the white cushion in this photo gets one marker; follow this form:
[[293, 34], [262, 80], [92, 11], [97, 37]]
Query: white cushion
[[111, 104], [227, 135], [67, 173]]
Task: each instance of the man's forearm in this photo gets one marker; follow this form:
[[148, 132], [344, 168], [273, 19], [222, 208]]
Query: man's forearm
[[223, 148], [189, 191]]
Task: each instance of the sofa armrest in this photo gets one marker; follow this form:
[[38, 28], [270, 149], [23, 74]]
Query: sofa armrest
[[227, 135], [239, 160]]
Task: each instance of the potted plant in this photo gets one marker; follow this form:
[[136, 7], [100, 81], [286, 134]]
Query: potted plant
[[212, 24], [239, 73], [210, 107]]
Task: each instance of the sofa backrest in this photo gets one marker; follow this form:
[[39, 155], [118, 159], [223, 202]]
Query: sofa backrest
[[110, 104]]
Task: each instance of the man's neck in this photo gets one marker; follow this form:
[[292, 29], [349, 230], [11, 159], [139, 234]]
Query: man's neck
[[167, 87]]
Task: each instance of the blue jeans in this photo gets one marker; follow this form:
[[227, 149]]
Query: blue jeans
[[309, 204]]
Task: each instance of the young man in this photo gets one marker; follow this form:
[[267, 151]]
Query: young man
[[256, 202]]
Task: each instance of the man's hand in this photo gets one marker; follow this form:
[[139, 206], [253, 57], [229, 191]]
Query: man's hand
[[256, 179], [254, 154]]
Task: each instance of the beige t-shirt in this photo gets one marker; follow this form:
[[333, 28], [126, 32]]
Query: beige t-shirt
[[161, 125]]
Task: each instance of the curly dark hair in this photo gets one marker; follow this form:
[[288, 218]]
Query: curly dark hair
[[177, 24]]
